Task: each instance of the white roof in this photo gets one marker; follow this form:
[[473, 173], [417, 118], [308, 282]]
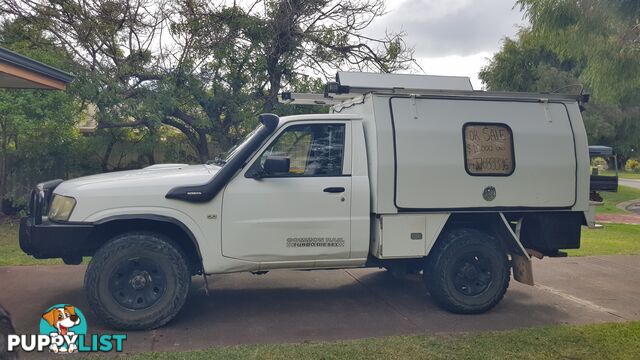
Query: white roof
[[403, 81], [311, 117]]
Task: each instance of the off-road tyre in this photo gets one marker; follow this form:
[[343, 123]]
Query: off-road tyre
[[467, 271], [102, 281]]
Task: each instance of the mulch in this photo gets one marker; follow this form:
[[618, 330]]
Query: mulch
[[632, 219]]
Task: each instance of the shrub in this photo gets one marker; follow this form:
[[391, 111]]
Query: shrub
[[632, 165], [600, 163]]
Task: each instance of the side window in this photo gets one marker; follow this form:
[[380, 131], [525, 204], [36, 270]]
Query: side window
[[488, 149], [309, 150]]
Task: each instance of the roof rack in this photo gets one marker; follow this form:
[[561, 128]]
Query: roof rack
[[313, 99], [350, 85]]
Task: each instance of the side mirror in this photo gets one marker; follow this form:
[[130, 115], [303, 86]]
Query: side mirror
[[276, 165]]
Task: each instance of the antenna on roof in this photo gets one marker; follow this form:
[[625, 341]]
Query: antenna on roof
[[349, 85]]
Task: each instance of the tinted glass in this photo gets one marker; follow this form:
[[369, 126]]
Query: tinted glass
[[313, 150]]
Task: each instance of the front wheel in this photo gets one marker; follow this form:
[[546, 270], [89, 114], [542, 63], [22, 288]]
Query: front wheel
[[467, 272], [138, 280]]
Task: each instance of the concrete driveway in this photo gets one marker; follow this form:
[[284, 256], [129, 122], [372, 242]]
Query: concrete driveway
[[296, 306], [629, 182]]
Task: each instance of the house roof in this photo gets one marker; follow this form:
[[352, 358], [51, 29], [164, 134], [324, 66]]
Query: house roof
[[21, 72]]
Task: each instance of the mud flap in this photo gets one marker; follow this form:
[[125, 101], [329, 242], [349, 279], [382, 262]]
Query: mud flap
[[521, 261], [590, 215], [522, 269]]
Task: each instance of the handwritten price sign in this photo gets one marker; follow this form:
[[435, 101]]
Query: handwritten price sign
[[489, 149]]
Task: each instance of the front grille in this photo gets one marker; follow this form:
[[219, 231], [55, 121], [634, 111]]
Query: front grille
[[36, 205], [30, 206], [41, 199]]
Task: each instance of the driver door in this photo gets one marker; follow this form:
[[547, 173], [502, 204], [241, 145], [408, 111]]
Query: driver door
[[298, 211]]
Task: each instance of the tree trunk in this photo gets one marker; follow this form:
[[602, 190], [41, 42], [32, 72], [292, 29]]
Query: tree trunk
[[274, 88], [202, 147], [107, 155], [151, 158]]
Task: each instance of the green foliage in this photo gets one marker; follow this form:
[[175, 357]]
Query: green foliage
[[526, 64], [223, 64], [599, 162], [574, 43], [38, 137], [632, 165], [603, 34], [168, 81], [38, 134]]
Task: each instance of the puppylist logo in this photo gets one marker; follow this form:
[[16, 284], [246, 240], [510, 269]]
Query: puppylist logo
[[63, 329]]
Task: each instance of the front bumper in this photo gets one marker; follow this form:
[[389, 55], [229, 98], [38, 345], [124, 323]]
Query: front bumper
[[44, 239], [55, 240]]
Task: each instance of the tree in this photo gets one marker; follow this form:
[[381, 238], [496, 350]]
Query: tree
[[38, 134], [605, 34], [205, 69], [571, 44], [526, 64]]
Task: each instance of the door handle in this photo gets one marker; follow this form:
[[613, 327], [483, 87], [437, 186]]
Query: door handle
[[334, 190]]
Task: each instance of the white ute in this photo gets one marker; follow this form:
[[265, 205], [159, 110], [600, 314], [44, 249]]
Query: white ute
[[413, 173]]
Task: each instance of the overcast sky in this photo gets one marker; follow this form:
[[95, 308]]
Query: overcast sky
[[452, 37]]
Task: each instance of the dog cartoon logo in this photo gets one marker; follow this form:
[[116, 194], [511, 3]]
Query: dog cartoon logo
[[63, 323], [63, 329]]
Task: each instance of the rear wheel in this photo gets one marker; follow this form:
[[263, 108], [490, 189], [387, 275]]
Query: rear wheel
[[467, 272], [138, 280]]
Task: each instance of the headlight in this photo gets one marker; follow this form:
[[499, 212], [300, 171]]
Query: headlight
[[61, 207]]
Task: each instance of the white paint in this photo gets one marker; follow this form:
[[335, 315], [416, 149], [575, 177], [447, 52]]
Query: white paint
[[404, 81], [254, 218], [585, 303], [407, 235], [261, 216], [430, 155]]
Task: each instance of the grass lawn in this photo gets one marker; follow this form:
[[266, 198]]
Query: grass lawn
[[612, 239], [625, 193], [10, 252], [622, 174], [602, 341]]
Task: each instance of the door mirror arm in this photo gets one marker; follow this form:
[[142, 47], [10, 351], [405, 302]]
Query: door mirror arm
[[255, 172]]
